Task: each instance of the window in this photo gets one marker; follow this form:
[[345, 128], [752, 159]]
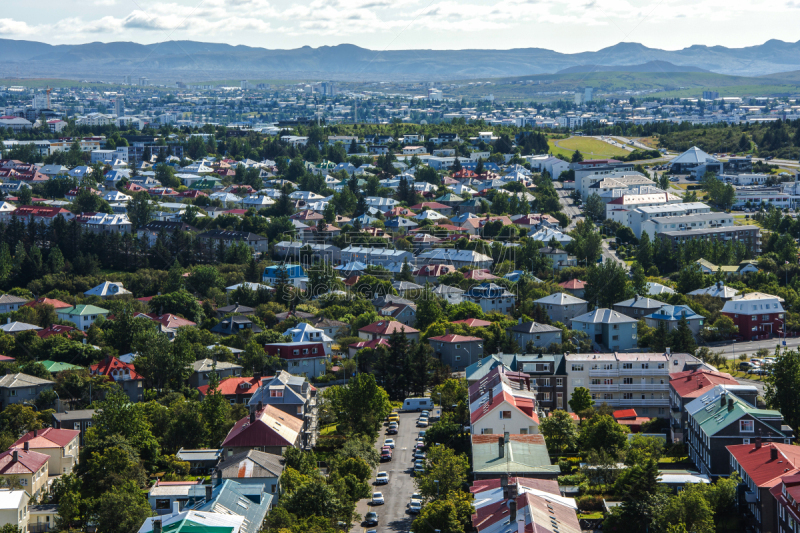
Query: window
[[595, 381], [627, 366], [162, 504], [274, 488], [295, 352], [542, 367], [77, 426], [276, 394], [12, 392], [661, 366], [313, 350], [305, 351], [627, 381], [23, 482], [746, 426], [608, 396], [523, 431], [627, 396], [645, 365], [577, 368], [745, 441], [458, 358], [487, 431], [545, 382], [233, 401], [505, 414], [559, 382], [615, 337]]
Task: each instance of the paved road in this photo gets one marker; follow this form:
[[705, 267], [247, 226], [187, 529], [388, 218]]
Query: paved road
[[568, 205], [610, 255], [393, 515], [734, 350]]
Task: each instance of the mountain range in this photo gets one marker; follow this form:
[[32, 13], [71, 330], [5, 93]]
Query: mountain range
[[191, 60]]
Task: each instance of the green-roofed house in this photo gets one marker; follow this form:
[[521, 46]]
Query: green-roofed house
[[450, 199], [521, 456], [54, 366], [194, 522], [83, 316], [207, 183], [720, 418]]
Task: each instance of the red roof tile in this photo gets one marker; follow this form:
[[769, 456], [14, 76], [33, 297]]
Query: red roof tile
[[573, 284], [473, 322], [625, 413], [387, 327], [169, 320], [28, 462], [58, 329], [233, 385], [115, 369], [58, 304], [47, 438], [454, 338], [694, 383], [370, 344], [272, 427], [759, 465]]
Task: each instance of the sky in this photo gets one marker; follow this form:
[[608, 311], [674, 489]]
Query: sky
[[567, 26]]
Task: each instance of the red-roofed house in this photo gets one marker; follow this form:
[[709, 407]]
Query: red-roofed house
[[58, 329], [431, 273], [445, 210], [761, 468], [482, 274], [28, 467], [170, 321], [473, 322], [124, 374], [60, 444], [457, 351], [574, 286], [235, 389], [629, 418], [356, 346], [787, 495], [36, 213], [517, 414], [57, 304], [384, 329], [269, 430]]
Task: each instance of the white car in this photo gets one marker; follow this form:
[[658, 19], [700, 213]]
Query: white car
[[377, 498], [382, 478], [422, 422], [389, 443], [415, 506]]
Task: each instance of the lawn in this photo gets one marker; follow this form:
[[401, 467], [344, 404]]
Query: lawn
[[589, 147], [328, 430]]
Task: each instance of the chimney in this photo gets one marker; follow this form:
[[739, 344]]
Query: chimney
[[669, 350], [16, 453], [157, 526], [219, 477], [252, 418], [260, 405], [512, 510], [519, 321], [8, 321], [730, 404], [491, 396], [636, 298], [758, 443], [773, 453], [209, 489], [447, 331], [35, 432], [176, 507], [501, 448], [27, 445], [722, 400]]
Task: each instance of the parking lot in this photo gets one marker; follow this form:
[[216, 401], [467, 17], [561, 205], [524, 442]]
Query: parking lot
[[393, 515]]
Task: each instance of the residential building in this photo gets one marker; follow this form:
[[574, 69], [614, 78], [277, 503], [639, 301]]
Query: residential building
[[14, 504], [492, 298], [637, 217], [523, 455], [683, 223], [717, 290], [305, 332], [107, 289], [9, 303], [637, 381], [539, 335], [308, 253], [202, 369], [560, 259], [671, 315], [235, 309], [563, 307], [608, 329], [548, 377], [637, 307], [307, 359], [457, 258], [749, 235], [383, 329], [228, 238], [685, 387], [123, 374], [78, 420], [375, 256], [268, 430], [161, 228], [574, 287], [235, 389], [13, 328], [62, 445], [762, 468], [201, 462], [42, 518], [232, 325], [293, 395], [503, 401], [453, 295], [290, 274], [719, 419], [756, 317], [457, 351], [253, 468], [21, 388], [83, 316], [28, 468], [786, 496]]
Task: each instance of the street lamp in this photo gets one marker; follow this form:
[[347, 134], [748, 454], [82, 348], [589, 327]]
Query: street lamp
[[783, 327]]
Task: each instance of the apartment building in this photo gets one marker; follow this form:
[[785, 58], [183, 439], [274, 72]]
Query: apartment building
[[624, 381], [749, 235], [62, 445], [638, 216], [698, 221]]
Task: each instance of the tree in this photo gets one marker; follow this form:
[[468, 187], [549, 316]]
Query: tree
[[359, 407], [140, 209], [644, 253], [445, 472], [117, 416], [581, 400], [682, 338], [587, 243], [559, 431], [405, 272], [448, 515], [428, 310], [204, 278], [577, 156], [128, 497], [690, 510], [638, 481], [162, 362], [782, 386], [602, 432], [607, 284], [180, 302], [690, 278], [594, 207], [638, 279], [315, 498]]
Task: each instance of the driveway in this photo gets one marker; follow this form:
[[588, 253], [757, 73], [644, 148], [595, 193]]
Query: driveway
[[393, 515]]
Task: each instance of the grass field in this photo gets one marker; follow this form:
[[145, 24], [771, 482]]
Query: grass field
[[590, 148]]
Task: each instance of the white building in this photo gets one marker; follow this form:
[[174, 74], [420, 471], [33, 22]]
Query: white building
[[657, 225], [638, 216]]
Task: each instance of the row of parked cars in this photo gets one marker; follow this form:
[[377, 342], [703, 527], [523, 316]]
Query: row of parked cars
[[759, 367]]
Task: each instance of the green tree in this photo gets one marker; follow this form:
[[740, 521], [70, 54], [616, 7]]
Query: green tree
[[140, 209], [128, 497], [602, 432], [594, 207], [448, 515], [445, 472], [581, 400], [577, 156], [782, 386], [559, 431], [116, 415], [644, 253], [607, 284], [587, 243], [359, 407], [691, 510], [690, 278], [682, 338]]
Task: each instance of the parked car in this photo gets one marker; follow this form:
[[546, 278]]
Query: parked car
[[382, 478], [414, 507], [389, 443], [371, 519], [419, 467], [419, 454], [392, 429], [422, 433], [377, 498]]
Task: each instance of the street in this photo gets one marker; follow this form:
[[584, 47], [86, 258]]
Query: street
[[568, 205], [393, 515], [610, 255], [734, 350]]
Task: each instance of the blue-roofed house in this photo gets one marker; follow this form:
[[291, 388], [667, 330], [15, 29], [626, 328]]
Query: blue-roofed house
[[492, 298], [365, 220], [295, 275], [400, 223], [478, 370], [672, 314], [488, 166]]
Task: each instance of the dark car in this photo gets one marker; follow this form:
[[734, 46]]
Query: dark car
[[386, 454], [371, 519]]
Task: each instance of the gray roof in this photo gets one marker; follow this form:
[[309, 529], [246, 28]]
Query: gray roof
[[640, 303], [11, 299], [548, 251], [16, 327], [533, 327], [604, 316], [560, 298], [79, 414], [235, 308], [199, 455], [10, 381], [406, 286], [205, 365], [256, 465], [447, 289]]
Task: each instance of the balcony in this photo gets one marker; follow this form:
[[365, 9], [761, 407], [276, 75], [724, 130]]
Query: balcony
[[658, 402], [644, 386], [660, 372], [604, 373], [604, 388]]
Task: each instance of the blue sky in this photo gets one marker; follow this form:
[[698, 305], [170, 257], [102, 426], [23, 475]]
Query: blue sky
[[562, 25]]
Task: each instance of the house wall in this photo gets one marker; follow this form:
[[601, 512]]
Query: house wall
[[457, 356], [518, 423], [12, 395], [18, 517], [62, 460], [540, 340], [758, 324], [565, 313]]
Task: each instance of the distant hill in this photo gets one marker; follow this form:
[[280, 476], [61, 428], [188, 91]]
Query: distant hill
[[190, 60], [650, 66]]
